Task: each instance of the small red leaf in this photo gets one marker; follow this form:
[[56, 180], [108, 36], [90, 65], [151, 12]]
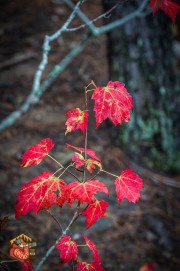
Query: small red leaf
[[128, 185], [113, 102], [68, 249], [168, 6], [90, 152], [78, 119], [78, 159], [84, 192], [40, 193], [94, 211], [91, 164], [36, 153], [27, 266]]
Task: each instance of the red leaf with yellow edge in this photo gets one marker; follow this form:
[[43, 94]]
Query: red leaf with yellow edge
[[94, 211], [113, 102], [78, 119], [93, 266], [36, 153], [89, 152], [84, 192], [168, 6], [40, 193], [27, 266], [68, 249], [128, 186]]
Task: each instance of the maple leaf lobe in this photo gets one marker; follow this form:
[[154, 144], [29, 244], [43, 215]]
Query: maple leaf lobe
[[84, 192]]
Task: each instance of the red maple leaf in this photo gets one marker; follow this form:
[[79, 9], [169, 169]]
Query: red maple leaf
[[84, 192], [68, 249], [27, 266], [93, 266], [128, 185], [36, 153], [40, 193], [78, 119], [113, 102], [94, 211], [90, 152], [168, 6]]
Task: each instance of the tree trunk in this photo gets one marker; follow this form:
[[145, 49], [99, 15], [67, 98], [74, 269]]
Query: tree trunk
[[140, 55]]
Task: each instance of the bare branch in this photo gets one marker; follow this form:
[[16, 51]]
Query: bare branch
[[38, 87], [85, 19]]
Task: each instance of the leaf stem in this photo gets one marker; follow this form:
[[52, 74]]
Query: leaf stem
[[65, 169], [86, 137], [55, 219], [8, 261], [102, 170]]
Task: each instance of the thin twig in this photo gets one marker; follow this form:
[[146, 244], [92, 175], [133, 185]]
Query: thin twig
[[55, 219], [49, 251], [85, 19], [65, 169]]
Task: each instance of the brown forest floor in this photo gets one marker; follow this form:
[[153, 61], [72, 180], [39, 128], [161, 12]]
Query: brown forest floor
[[132, 234]]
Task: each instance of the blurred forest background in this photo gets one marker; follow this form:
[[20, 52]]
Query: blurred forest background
[[145, 55]]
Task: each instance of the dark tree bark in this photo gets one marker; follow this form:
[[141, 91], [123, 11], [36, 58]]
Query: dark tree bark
[[140, 55]]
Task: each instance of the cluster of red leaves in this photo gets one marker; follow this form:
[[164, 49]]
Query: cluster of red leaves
[[112, 102], [45, 190], [168, 6], [115, 103], [69, 251]]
